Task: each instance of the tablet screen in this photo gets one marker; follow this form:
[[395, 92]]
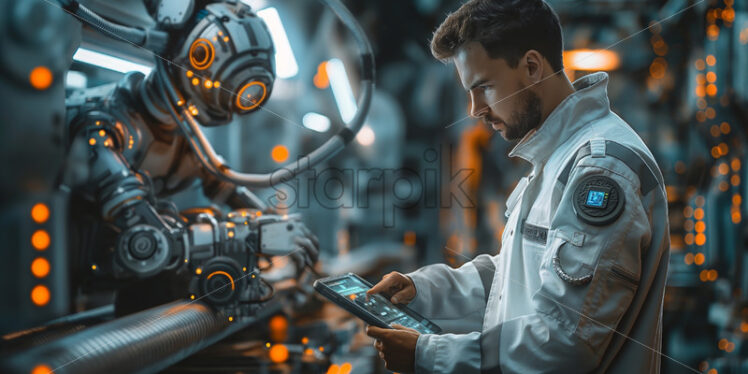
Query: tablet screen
[[355, 290]]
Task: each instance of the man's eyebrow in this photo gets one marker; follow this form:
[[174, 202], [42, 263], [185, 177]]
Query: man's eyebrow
[[478, 83]]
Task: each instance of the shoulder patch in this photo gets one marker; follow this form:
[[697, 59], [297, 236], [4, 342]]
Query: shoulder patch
[[598, 200]]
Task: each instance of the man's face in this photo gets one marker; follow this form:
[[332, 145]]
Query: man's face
[[498, 94]]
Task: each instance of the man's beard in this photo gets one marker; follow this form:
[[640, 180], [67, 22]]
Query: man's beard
[[526, 118]]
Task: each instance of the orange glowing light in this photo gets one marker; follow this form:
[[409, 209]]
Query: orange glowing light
[[409, 238], [195, 81], [688, 259], [333, 369], [722, 344], [699, 91], [591, 60], [198, 271], [279, 153], [711, 90], [190, 73], [254, 103], [744, 327], [227, 275], [735, 164], [730, 347], [305, 340], [40, 267], [735, 180], [736, 217], [698, 213], [712, 32], [321, 348], [711, 60], [202, 54], [699, 64], [216, 84], [352, 296], [92, 141], [321, 80], [700, 226], [278, 323], [278, 353], [725, 128], [728, 15], [40, 213], [712, 275], [714, 130], [226, 39], [208, 84], [688, 239], [723, 148], [715, 152], [308, 352], [40, 295], [700, 239], [711, 77], [42, 369], [723, 168], [723, 186], [699, 259], [703, 276], [40, 78], [736, 199], [346, 368], [40, 240], [710, 113], [231, 319]]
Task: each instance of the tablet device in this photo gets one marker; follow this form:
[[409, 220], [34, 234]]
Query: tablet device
[[349, 292]]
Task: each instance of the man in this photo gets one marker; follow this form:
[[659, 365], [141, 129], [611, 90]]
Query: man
[[579, 281]]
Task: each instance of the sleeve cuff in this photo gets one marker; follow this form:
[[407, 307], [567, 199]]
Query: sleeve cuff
[[421, 302], [426, 348]]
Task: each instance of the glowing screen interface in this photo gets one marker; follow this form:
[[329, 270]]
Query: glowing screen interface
[[377, 305]]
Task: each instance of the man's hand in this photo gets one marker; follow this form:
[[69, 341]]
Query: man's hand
[[397, 347], [398, 287]]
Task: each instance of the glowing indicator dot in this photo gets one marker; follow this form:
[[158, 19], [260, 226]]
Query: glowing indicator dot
[[279, 153], [192, 297], [40, 78], [102, 133], [92, 141], [231, 319], [198, 271], [216, 84], [42, 369], [208, 84], [40, 240], [40, 213], [40, 267], [278, 353], [267, 345], [40, 295], [94, 267], [195, 81], [226, 39], [305, 340], [190, 73]]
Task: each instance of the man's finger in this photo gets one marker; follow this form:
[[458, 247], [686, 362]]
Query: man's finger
[[376, 332], [400, 297], [382, 286], [401, 327]]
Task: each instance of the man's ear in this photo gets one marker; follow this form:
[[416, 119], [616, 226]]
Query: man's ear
[[532, 62]]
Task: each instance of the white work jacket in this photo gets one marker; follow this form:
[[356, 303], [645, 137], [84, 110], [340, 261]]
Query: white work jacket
[[576, 287]]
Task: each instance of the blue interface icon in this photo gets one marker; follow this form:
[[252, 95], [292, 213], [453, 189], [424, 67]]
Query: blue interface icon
[[595, 199]]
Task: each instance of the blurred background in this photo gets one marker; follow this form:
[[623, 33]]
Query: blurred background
[[422, 183]]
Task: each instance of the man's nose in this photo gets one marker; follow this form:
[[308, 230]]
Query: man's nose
[[478, 107]]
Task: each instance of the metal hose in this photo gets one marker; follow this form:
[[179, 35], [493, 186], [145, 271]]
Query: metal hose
[[144, 342]]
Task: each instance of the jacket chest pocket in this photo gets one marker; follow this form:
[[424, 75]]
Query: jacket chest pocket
[[534, 240]]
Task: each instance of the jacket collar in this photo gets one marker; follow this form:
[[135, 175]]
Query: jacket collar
[[587, 103]]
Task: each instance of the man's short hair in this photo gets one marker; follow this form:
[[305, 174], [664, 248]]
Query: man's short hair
[[506, 28]]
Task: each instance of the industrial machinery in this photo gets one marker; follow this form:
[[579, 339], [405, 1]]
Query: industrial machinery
[[90, 212]]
